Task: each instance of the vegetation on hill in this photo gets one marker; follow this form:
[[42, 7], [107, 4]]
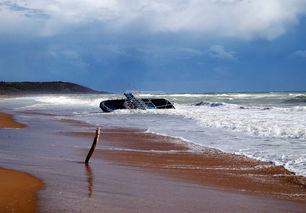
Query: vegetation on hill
[[58, 87]]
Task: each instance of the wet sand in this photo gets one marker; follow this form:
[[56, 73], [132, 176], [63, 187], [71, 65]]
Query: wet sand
[[133, 171], [17, 189], [170, 156]]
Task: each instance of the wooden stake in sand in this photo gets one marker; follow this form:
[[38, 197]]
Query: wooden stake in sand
[[93, 146]]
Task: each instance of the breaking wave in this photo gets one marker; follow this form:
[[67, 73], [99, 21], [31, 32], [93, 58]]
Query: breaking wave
[[301, 99]]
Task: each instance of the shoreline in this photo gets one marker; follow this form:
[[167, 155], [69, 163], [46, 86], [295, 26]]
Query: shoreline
[[8, 121], [126, 173], [18, 190], [168, 156]]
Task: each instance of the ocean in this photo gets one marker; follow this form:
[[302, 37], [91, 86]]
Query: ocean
[[263, 126]]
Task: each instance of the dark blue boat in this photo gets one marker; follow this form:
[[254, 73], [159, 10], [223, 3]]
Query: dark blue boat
[[131, 102]]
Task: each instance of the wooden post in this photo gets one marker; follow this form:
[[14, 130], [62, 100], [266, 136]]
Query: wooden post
[[93, 146]]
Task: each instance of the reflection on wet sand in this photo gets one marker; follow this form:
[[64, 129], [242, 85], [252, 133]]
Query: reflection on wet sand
[[55, 152], [89, 175]]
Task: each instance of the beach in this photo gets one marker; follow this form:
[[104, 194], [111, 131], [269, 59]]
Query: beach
[[7, 121], [153, 106], [132, 170], [18, 190]]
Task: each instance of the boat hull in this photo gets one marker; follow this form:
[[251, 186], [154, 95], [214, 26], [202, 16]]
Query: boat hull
[[151, 103]]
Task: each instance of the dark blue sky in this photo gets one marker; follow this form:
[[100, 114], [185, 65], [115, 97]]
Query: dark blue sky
[[178, 46]]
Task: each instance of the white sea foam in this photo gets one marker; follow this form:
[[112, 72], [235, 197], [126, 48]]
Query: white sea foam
[[264, 126], [255, 121], [57, 101], [67, 100]]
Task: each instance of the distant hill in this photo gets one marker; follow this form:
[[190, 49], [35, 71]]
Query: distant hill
[[57, 87]]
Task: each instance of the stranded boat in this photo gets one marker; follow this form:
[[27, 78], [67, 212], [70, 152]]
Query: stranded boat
[[131, 102]]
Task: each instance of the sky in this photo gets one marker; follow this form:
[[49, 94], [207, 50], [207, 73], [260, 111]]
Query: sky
[[171, 46]]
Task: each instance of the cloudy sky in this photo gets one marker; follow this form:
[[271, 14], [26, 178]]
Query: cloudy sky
[[156, 45]]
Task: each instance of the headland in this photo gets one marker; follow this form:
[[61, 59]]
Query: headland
[[54, 87]]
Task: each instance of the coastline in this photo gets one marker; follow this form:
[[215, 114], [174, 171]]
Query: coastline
[[18, 190], [8, 121], [169, 156], [133, 171]]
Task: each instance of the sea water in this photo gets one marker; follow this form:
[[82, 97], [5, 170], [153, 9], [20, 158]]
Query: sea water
[[263, 126]]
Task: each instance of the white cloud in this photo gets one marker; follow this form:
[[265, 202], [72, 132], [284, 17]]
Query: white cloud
[[221, 70], [218, 51], [245, 19], [166, 52], [300, 53], [68, 56]]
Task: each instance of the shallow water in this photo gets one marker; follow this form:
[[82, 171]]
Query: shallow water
[[264, 126]]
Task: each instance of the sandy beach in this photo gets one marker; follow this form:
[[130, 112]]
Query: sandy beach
[[18, 190], [8, 121], [135, 171], [204, 166], [183, 106]]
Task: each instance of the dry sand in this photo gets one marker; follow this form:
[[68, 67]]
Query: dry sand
[[17, 189], [8, 121]]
